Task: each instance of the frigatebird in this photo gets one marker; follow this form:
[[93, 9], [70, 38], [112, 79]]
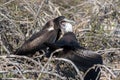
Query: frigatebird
[[80, 56], [50, 33]]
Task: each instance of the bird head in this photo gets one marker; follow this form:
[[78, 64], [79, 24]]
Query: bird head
[[63, 24]]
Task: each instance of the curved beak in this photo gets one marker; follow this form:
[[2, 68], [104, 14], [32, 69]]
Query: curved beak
[[70, 21]]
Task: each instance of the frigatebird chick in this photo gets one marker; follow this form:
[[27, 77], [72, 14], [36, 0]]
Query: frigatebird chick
[[82, 58], [50, 33]]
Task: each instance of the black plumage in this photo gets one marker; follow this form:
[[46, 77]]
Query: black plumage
[[81, 57], [50, 33]]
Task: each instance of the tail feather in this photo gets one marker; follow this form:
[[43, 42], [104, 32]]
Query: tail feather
[[93, 74]]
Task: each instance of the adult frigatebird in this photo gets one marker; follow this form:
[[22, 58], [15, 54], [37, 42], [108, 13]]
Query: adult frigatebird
[[50, 33], [81, 57]]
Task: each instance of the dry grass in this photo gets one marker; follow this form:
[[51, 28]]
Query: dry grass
[[97, 28]]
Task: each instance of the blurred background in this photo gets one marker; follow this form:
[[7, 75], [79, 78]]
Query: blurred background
[[97, 26]]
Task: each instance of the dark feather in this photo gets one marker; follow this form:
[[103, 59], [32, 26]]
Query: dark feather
[[67, 41], [37, 40], [82, 58], [35, 44]]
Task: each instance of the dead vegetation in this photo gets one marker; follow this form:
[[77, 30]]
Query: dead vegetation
[[97, 28]]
